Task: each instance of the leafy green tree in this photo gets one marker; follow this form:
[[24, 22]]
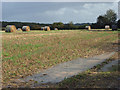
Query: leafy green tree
[[35, 27], [101, 21], [111, 16], [118, 23], [71, 25], [58, 25]]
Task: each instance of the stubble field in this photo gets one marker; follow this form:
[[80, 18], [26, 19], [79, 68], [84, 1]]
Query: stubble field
[[30, 52]]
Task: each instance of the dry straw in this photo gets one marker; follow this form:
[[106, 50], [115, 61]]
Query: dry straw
[[47, 28], [10, 28], [19, 30], [88, 27], [107, 27], [56, 29], [25, 28], [42, 28]]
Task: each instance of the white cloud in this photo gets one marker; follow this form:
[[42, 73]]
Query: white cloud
[[92, 10], [100, 7]]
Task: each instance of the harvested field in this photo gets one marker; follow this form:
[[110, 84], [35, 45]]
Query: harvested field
[[27, 53]]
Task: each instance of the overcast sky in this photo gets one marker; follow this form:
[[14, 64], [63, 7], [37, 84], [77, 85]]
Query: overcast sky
[[49, 12]]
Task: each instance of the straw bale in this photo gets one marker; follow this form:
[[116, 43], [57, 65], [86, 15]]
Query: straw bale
[[10, 28], [47, 28], [107, 27], [88, 27], [56, 29], [25, 28]]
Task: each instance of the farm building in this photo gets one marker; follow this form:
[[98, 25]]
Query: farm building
[[107, 27], [10, 28], [88, 27], [25, 28]]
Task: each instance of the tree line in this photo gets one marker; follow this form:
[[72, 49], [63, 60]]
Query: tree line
[[109, 18], [37, 26]]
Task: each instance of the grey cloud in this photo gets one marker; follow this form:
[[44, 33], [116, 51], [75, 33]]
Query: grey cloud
[[53, 12]]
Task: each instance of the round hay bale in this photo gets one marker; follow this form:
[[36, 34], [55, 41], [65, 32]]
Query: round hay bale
[[25, 28], [19, 30], [56, 29], [88, 27], [47, 28], [42, 28], [107, 27], [10, 28]]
